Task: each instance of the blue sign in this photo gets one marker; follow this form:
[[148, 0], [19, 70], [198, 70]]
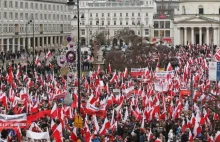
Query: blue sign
[[218, 72]]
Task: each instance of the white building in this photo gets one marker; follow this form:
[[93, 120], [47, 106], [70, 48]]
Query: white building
[[111, 16], [51, 24], [197, 22]]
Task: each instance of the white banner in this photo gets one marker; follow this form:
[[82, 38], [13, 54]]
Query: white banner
[[17, 117], [212, 71], [37, 136], [128, 90], [161, 86], [163, 74]]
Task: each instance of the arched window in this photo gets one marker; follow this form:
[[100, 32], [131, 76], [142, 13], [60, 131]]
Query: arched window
[[201, 11], [184, 10]]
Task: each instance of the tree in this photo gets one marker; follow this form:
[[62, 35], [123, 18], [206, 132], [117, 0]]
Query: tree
[[100, 37]]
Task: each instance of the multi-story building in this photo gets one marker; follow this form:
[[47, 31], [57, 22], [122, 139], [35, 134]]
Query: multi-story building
[[112, 16], [163, 21], [197, 22], [50, 19]]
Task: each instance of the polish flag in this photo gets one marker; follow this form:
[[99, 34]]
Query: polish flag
[[19, 135], [105, 126], [157, 140], [37, 60], [169, 67], [54, 111], [37, 128], [73, 135], [125, 73], [217, 136], [96, 123], [150, 136], [57, 134], [99, 70], [197, 129], [48, 55], [53, 125], [190, 136], [114, 77], [18, 74], [109, 68], [3, 99]]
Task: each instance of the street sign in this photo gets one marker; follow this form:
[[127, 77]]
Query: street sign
[[78, 123], [214, 71]]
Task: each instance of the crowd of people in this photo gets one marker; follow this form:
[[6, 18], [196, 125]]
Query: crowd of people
[[116, 106]]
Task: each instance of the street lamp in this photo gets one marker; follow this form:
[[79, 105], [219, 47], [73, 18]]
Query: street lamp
[[71, 5]]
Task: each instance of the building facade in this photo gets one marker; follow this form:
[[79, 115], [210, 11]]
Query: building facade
[[197, 22], [111, 16], [50, 19], [163, 21]]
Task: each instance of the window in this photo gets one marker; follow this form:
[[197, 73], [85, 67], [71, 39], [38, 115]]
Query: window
[[21, 4], [10, 15], [90, 32], [120, 14], [32, 6], [90, 14], [58, 8], [139, 22], [16, 4], [156, 24], [21, 16], [97, 22], [41, 16], [41, 7], [133, 23], [36, 6], [126, 22], [167, 24], [97, 15], [83, 23], [90, 22], [49, 7], [108, 14], [49, 17], [83, 31], [132, 14], [146, 22], [139, 14], [5, 15], [146, 31], [16, 16], [45, 7], [167, 33], [58, 17], [108, 22], [201, 11], [103, 23], [5, 4], [156, 33], [10, 4], [102, 14], [138, 32], [36, 16], [184, 10], [126, 14], [161, 24], [26, 5], [114, 22], [120, 22], [146, 14], [114, 14], [53, 7], [162, 33]]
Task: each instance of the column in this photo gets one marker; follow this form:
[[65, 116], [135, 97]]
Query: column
[[51, 41], [185, 35], [29, 43], [200, 35], [55, 40], [13, 45], [42, 42], [47, 41], [24, 43], [192, 35], [177, 36], [19, 46], [215, 35], [38, 42], [58, 40], [207, 35], [8, 44]]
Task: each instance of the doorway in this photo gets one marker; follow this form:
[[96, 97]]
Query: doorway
[[197, 38]]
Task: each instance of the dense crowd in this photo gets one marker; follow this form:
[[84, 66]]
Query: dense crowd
[[116, 106]]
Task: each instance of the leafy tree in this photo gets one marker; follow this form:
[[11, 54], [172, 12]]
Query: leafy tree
[[100, 37]]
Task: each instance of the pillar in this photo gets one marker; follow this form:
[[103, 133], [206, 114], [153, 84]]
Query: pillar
[[200, 35], [29, 42], [13, 45], [24, 43], [207, 35], [177, 36], [42, 42], [8, 44], [51, 41], [38, 42], [19, 46], [192, 35], [47, 41], [185, 35], [215, 37], [58, 40]]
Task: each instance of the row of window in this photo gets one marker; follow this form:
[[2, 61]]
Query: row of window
[[117, 14], [83, 32], [162, 24], [33, 6], [200, 10], [102, 23], [12, 28], [36, 16], [161, 33]]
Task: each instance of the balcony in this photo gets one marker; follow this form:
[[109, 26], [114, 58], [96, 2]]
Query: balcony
[[16, 33], [41, 32]]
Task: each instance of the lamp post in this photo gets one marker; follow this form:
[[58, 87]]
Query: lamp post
[[71, 4]]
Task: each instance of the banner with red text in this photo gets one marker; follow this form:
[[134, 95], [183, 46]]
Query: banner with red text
[[13, 120]]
